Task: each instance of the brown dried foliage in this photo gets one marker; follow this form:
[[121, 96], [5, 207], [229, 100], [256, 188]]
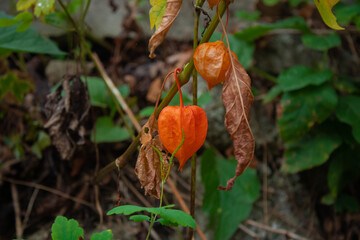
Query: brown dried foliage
[[237, 99], [66, 114], [148, 166], [172, 10]]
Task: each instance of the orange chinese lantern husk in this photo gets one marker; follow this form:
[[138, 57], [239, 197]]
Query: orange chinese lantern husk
[[212, 61], [213, 3], [173, 120]]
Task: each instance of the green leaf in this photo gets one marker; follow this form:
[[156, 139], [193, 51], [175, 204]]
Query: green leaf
[[106, 131], [26, 41], [309, 152], [324, 7], [346, 13], [22, 5], [328, 199], [294, 3], [252, 33], [204, 99], [104, 235], [344, 168], [248, 16], [346, 202], [147, 111], [305, 107], [321, 43], [64, 229], [156, 12], [44, 7], [99, 94], [271, 2], [11, 83], [177, 217], [42, 142], [348, 111], [139, 218], [171, 216], [243, 50], [300, 76], [8, 22], [345, 84], [226, 208], [273, 93]]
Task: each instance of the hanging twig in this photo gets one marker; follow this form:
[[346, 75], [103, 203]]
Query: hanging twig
[[15, 197]]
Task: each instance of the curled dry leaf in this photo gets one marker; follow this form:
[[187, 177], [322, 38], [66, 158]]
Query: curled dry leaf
[[213, 3], [148, 167], [237, 99], [172, 10]]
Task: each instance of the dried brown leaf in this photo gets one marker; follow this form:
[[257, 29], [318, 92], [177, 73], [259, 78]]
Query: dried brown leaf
[[148, 166], [237, 99], [172, 10]]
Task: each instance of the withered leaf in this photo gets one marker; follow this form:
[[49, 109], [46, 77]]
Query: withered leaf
[[66, 114], [172, 10], [237, 98], [148, 166]]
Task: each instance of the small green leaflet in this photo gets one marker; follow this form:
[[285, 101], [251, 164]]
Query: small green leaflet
[[104, 235], [171, 217], [42, 7], [64, 229], [324, 7], [156, 12]]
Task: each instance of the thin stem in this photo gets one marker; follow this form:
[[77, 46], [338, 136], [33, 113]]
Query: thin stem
[[178, 70], [85, 11], [163, 180], [193, 158]]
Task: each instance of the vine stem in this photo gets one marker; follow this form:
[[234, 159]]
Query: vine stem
[[183, 79], [193, 158]]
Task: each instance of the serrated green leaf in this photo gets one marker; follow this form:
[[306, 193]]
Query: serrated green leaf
[[44, 7], [252, 33], [130, 209], [156, 12], [26, 41], [324, 7], [309, 152], [226, 208], [303, 108], [139, 218], [104, 235], [23, 5], [177, 217], [321, 43], [248, 16], [64, 229], [171, 216], [301, 76], [106, 131], [348, 111]]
